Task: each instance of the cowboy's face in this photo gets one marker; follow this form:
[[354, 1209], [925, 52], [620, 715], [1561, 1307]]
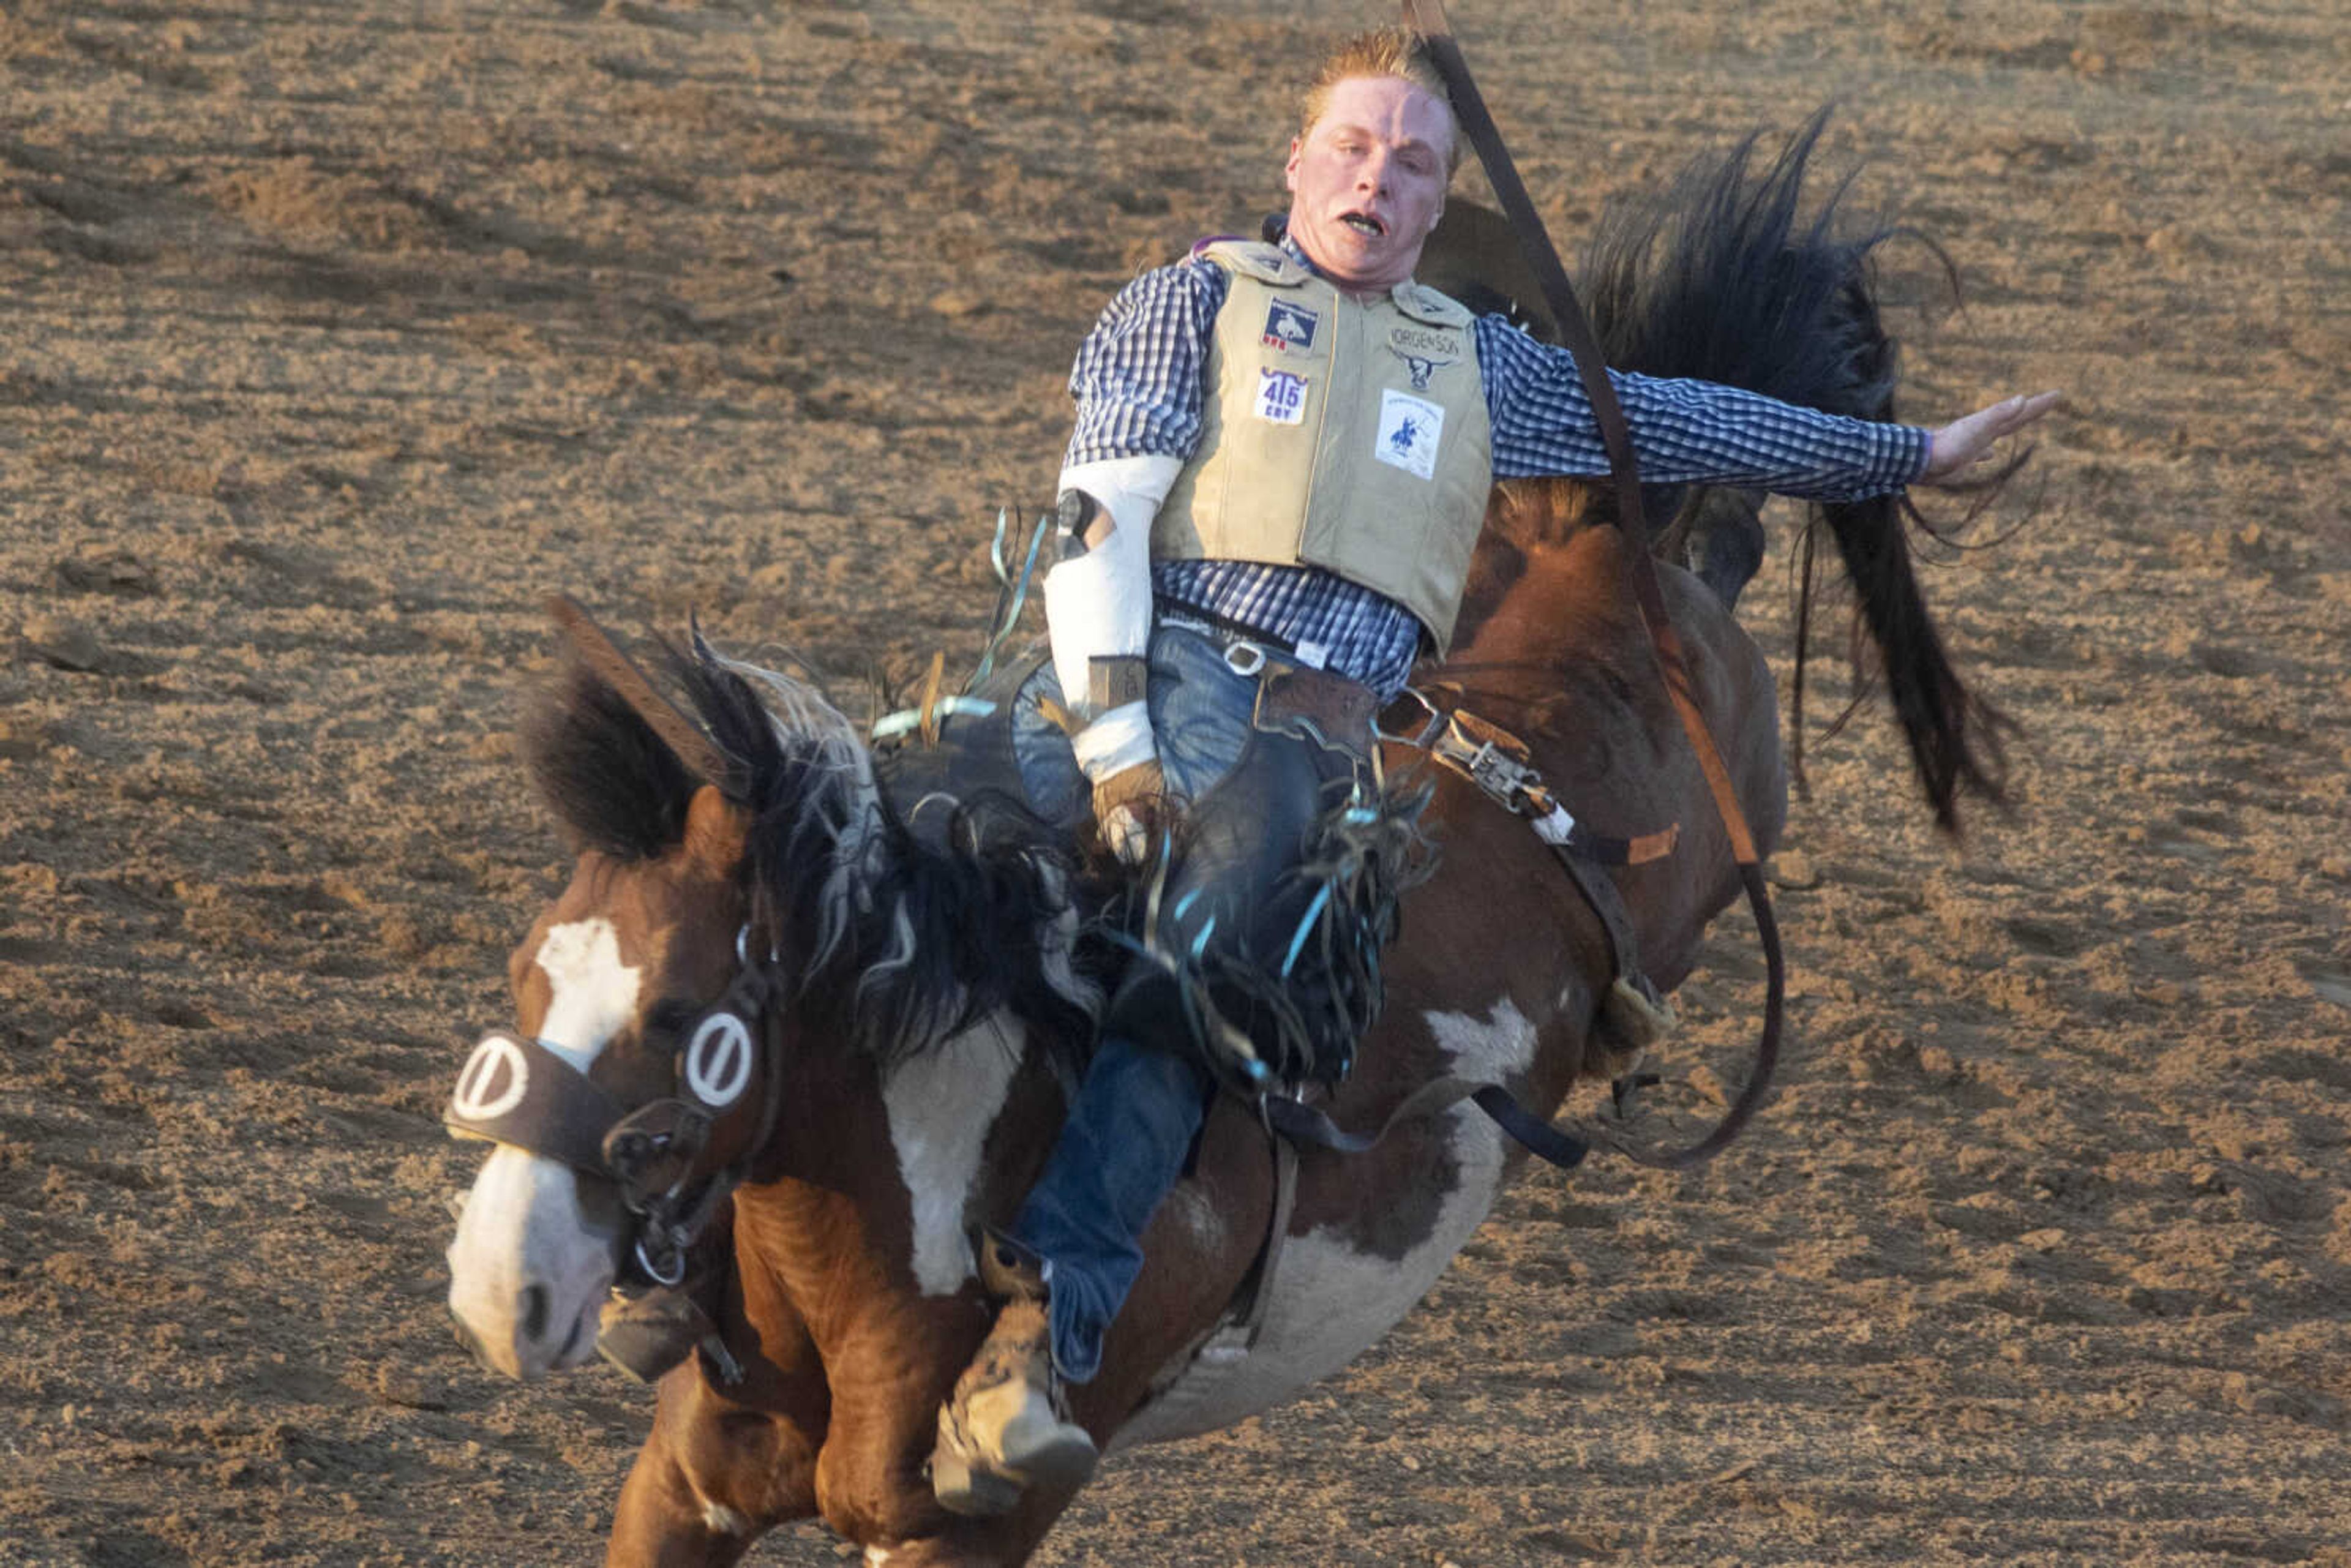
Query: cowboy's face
[[1367, 181]]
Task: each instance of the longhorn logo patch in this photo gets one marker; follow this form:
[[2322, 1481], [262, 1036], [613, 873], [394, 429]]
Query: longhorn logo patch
[[493, 1081], [1423, 352], [719, 1061]]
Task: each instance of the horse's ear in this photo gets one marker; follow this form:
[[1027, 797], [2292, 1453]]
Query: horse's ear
[[693, 745], [717, 831]]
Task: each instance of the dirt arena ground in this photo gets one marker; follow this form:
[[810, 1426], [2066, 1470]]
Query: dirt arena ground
[[335, 332]]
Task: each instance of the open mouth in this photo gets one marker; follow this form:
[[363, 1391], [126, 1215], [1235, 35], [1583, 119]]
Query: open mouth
[[1363, 223]]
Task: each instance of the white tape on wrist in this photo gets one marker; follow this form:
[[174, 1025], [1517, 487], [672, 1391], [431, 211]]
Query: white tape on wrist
[[1098, 605], [1116, 741]]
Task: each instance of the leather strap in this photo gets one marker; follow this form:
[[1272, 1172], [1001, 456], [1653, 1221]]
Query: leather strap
[[515, 1091], [1303, 1123], [1428, 18], [1249, 1312]]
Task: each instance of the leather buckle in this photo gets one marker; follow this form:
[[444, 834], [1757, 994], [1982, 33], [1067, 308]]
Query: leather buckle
[[1420, 739], [1505, 780], [1112, 681], [651, 1151]]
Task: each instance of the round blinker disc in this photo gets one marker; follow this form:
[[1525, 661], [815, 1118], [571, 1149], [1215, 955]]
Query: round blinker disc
[[719, 1061], [493, 1081]]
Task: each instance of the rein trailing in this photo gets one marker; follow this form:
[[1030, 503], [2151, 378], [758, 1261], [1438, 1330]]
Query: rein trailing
[[1428, 18]]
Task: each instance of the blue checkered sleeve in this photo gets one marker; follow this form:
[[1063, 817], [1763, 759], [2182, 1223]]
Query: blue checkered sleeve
[[1683, 431], [1139, 376]]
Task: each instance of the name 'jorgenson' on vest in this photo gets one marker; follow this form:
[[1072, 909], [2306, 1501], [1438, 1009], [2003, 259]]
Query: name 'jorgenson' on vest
[[1341, 433]]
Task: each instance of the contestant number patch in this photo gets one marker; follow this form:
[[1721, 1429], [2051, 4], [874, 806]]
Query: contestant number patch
[[1410, 428], [1281, 397]]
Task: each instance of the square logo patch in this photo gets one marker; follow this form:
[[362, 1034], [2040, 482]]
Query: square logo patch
[[1410, 428], [1290, 327], [1281, 397]]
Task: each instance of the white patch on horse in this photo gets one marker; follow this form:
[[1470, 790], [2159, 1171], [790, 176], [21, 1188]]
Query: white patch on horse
[[1199, 1216], [720, 1519], [1332, 1300], [876, 1556], [595, 994], [941, 1104]]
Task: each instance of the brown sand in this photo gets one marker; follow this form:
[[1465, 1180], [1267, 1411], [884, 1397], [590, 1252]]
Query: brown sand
[[336, 333]]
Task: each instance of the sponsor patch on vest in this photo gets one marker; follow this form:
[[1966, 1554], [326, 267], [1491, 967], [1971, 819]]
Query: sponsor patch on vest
[[1424, 351], [1282, 396], [1290, 327], [1409, 430]]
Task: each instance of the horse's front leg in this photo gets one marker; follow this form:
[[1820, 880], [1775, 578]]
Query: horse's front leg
[[716, 1475], [725, 1465]]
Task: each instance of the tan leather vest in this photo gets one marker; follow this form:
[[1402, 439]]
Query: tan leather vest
[[1346, 433]]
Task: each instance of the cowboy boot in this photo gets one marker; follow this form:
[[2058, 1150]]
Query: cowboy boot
[[1007, 1427]]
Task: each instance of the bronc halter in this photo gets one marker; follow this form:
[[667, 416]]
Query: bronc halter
[[527, 1095]]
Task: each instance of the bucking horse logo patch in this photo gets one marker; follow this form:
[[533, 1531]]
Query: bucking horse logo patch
[[1290, 327]]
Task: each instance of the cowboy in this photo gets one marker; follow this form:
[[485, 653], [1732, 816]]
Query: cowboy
[[1280, 468]]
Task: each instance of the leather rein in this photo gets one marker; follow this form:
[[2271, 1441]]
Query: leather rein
[[1428, 18]]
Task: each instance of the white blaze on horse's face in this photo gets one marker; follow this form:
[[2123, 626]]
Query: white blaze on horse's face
[[534, 1254]]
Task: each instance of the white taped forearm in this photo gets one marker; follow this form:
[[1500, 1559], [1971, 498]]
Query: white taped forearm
[[1098, 605], [1115, 741]]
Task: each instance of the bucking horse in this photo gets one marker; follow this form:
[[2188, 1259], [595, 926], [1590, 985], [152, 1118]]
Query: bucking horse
[[812, 1002]]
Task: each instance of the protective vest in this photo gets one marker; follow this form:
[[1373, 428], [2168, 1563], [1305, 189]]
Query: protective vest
[[1346, 433]]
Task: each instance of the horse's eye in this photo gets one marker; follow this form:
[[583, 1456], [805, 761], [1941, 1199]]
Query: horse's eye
[[669, 1020]]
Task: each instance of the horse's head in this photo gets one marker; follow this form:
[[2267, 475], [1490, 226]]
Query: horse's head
[[749, 929], [641, 1075], [635, 1077]]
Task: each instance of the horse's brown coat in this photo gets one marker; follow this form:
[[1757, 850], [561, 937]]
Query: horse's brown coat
[[847, 1359]]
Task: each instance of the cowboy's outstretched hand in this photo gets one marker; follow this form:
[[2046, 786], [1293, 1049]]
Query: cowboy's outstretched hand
[[1964, 443]]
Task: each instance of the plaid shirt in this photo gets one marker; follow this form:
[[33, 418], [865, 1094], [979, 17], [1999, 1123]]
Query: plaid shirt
[[1139, 379]]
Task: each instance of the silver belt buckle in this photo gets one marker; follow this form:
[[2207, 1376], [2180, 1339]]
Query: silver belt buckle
[[1244, 658]]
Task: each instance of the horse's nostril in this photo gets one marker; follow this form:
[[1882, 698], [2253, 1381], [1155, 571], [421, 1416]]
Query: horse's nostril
[[534, 1313]]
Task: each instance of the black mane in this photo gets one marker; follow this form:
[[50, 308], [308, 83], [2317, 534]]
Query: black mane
[[922, 936], [1721, 278]]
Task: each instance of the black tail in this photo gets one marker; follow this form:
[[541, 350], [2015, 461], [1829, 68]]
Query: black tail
[[1721, 280]]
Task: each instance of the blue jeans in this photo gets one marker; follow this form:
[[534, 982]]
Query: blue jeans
[[1144, 1098]]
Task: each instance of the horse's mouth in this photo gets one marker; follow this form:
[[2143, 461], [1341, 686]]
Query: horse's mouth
[[564, 1356]]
